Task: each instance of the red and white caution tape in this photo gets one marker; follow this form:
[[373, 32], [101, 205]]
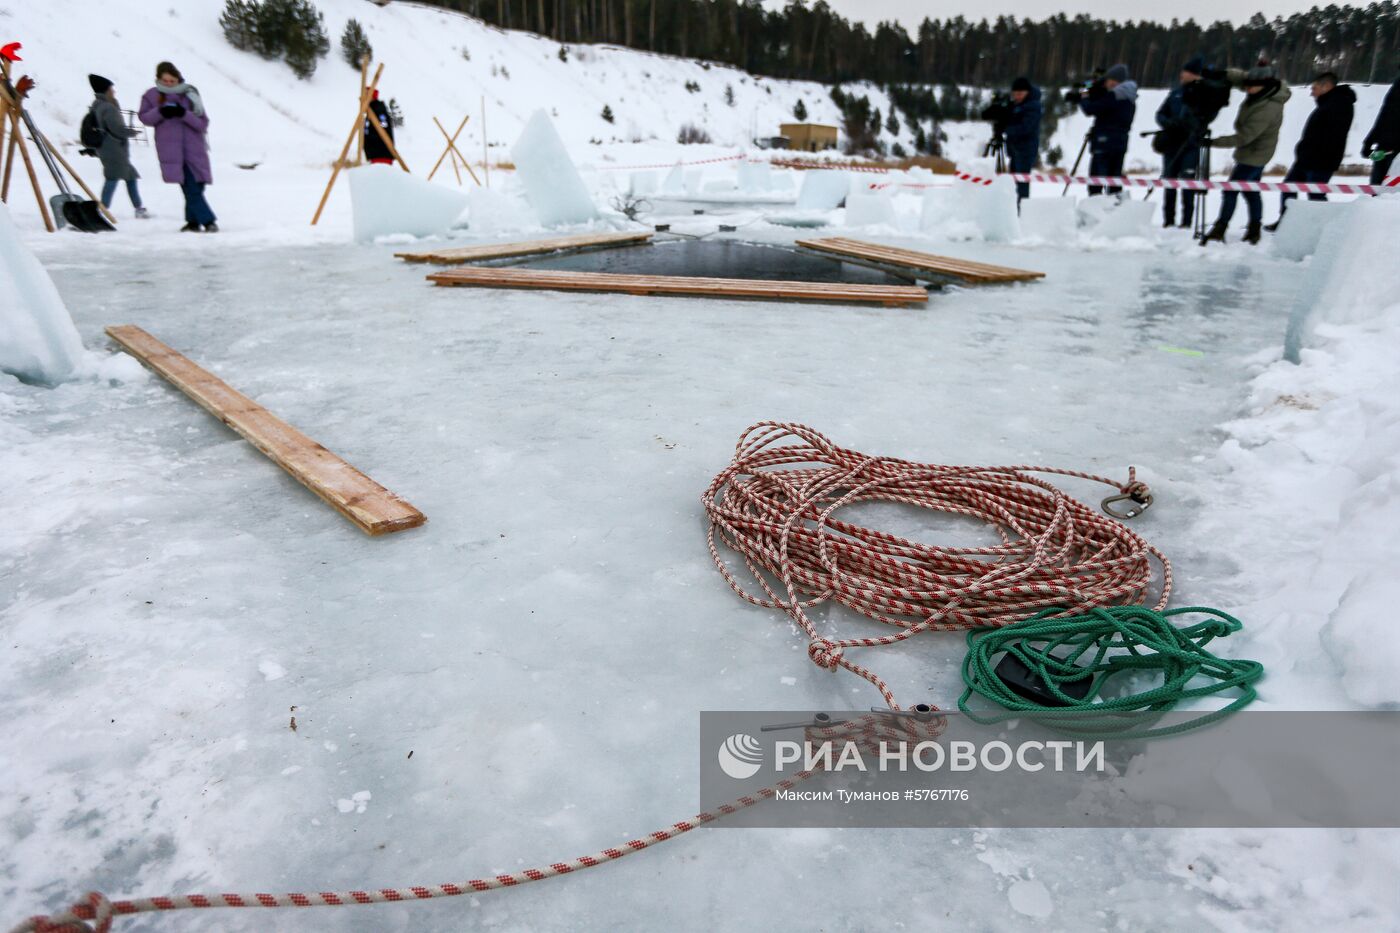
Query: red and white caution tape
[[1389, 185]]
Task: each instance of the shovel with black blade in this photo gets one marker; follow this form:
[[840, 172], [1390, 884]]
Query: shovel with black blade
[[82, 214], [67, 206]]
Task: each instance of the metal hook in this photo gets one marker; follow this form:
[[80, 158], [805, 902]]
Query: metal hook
[[1142, 498]]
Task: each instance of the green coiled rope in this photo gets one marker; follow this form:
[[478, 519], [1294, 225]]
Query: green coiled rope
[[1106, 646]]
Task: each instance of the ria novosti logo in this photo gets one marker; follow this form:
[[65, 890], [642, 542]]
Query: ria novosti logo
[[740, 756]]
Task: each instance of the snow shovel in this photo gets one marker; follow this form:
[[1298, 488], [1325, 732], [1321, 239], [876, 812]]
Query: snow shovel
[[67, 206]]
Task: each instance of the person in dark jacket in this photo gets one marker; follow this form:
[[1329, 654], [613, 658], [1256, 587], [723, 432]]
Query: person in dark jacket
[[1179, 141], [115, 151], [1112, 102], [1383, 141], [1023, 132], [1324, 141], [376, 150]]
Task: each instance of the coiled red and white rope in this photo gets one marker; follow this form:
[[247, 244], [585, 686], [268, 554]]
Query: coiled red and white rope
[[775, 506]]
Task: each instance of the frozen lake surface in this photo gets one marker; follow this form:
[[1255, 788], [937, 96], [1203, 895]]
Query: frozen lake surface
[[518, 682]]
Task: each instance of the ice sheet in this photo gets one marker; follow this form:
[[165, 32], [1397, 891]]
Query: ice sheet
[[38, 341], [870, 208], [823, 190], [552, 183], [387, 201], [1304, 226]]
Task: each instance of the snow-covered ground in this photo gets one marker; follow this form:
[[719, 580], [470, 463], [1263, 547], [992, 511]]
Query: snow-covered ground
[[170, 601]]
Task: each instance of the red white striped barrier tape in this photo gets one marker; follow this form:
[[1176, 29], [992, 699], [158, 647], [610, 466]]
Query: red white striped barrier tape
[[1389, 185]]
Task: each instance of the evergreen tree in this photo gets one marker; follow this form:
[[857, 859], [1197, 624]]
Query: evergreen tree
[[729, 94], [812, 41], [292, 30], [239, 21], [800, 111], [354, 44], [607, 113]]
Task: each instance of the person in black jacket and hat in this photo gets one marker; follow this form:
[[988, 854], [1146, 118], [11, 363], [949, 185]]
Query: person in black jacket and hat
[[1383, 141], [1023, 132], [376, 150], [1179, 141], [1112, 102], [1324, 141], [114, 152]]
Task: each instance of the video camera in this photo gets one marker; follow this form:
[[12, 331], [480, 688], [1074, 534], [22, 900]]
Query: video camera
[[1086, 87], [998, 112]]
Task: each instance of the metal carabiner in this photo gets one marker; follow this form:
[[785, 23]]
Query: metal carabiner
[[1140, 497]]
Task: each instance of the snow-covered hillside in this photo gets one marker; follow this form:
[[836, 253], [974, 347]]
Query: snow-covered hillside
[[443, 64]]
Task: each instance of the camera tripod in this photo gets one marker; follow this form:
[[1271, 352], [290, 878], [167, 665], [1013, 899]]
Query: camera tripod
[[996, 146], [1083, 148]]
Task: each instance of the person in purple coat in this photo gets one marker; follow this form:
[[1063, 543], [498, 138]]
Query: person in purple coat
[[176, 111]]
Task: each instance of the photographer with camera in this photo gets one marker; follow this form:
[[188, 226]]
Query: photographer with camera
[[1015, 119], [1255, 138], [1112, 102], [1185, 117]]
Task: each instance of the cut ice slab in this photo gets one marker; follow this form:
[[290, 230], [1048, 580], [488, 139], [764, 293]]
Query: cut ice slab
[[386, 201], [991, 209], [1301, 229], [823, 190], [38, 342], [1050, 219], [870, 209], [552, 183], [1127, 218]]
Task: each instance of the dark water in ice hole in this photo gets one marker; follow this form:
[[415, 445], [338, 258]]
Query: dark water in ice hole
[[726, 259]]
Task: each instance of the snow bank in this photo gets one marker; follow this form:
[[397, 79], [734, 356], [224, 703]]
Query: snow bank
[[387, 201], [38, 342], [551, 181], [1318, 466]]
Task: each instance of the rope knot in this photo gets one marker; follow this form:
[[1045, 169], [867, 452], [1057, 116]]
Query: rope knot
[[824, 654], [94, 906]]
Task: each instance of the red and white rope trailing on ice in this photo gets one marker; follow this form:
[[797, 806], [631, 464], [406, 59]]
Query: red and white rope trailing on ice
[[737, 157], [96, 912], [1389, 185], [775, 505]]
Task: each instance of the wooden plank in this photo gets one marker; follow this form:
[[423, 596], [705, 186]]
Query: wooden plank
[[966, 270], [464, 254], [559, 280], [374, 509]]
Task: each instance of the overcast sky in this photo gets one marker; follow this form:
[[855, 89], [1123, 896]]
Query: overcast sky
[[912, 12]]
